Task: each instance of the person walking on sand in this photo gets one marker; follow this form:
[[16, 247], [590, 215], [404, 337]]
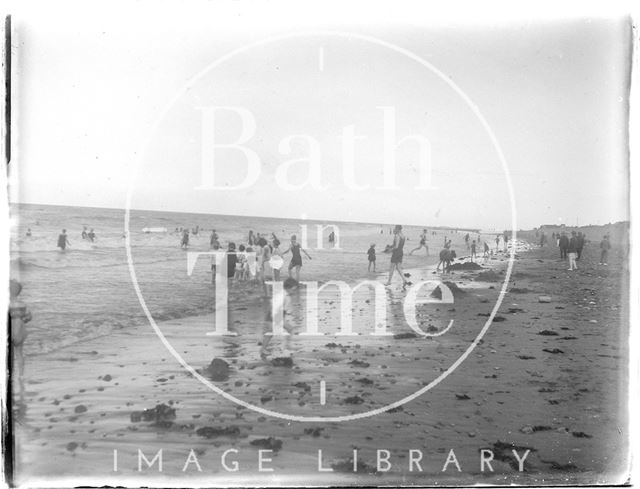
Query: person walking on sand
[[91, 235], [572, 251], [63, 240], [466, 240], [84, 232], [485, 255], [371, 253], [423, 243], [473, 250], [497, 242], [563, 244], [605, 246], [505, 239], [580, 240], [396, 255], [296, 257], [543, 239]]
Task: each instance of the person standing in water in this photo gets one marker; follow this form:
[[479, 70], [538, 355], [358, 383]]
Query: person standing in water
[[84, 232], [185, 239], [296, 257], [63, 240], [276, 260], [28, 232], [396, 255], [423, 243], [91, 235]]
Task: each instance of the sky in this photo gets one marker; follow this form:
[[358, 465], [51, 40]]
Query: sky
[[112, 100]]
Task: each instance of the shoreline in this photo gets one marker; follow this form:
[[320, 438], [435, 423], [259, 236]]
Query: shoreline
[[80, 400]]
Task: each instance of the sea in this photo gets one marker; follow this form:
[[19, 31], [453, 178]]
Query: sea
[[87, 290]]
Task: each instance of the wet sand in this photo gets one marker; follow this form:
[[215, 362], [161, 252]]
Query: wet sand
[[547, 376]]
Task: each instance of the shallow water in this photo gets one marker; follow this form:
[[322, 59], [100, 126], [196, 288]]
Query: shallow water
[[87, 290]]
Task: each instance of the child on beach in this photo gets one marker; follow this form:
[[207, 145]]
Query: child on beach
[[290, 286], [473, 250], [63, 241], [252, 265], [486, 252], [276, 260], [372, 256], [232, 260], [296, 258], [240, 266], [19, 317]]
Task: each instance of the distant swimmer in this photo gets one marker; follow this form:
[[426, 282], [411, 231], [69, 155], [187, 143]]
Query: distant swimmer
[[91, 235], [84, 232], [28, 232], [185, 239], [423, 243], [296, 258]]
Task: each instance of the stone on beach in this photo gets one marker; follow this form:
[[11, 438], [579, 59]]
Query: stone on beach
[[213, 432], [159, 414], [218, 370], [267, 443]]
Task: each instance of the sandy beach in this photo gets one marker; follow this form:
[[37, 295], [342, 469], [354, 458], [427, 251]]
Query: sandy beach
[[547, 377]]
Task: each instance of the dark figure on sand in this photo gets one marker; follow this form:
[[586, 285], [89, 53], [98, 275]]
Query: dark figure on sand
[[396, 255], [563, 244], [580, 240], [63, 240], [371, 253], [185, 239]]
